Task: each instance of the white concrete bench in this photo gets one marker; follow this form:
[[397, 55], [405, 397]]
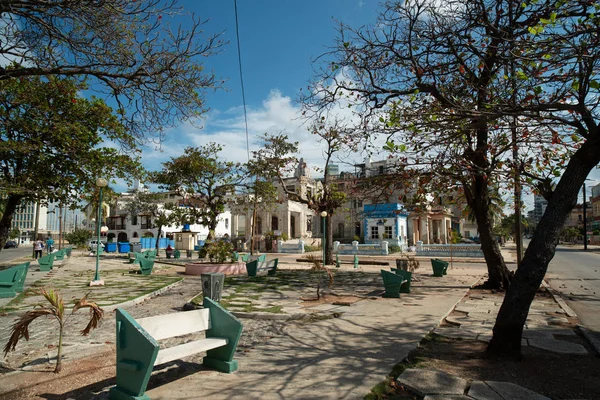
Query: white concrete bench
[[138, 350]]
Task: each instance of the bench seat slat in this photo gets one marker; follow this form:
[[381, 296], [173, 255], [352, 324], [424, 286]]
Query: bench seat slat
[[187, 349], [171, 325]]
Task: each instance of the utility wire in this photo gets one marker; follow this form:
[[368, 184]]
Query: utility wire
[[237, 35]]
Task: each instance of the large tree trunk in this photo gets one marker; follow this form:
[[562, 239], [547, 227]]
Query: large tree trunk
[[12, 202], [528, 278], [499, 276]]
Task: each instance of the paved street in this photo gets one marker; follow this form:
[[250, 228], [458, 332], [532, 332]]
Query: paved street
[[576, 275], [11, 254]]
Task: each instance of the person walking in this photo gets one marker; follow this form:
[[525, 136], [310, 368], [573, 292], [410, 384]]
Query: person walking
[[38, 246], [49, 245]]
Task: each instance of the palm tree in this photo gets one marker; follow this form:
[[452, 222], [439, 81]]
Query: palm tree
[[56, 309]]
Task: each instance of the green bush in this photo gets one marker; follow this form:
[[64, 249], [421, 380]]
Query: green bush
[[218, 251], [394, 249], [78, 237], [308, 249]]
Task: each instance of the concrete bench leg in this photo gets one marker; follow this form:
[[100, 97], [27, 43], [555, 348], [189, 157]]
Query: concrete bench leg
[[136, 354], [223, 325]]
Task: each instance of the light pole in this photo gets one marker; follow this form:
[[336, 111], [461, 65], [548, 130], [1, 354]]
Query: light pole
[[323, 216], [101, 183]]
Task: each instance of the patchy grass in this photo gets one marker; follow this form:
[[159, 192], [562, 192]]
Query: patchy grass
[[122, 284]]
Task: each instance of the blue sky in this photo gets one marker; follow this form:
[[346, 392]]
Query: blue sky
[[279, 39]]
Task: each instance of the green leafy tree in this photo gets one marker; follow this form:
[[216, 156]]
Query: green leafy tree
[[146, 55], [79, 237], [257, 192], [276, 157], [14, 233], [205, 182], [56, 310], [52, 143], [570, 233], [151, 204]]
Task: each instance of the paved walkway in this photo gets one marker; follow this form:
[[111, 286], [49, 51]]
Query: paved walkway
[[340, 354]]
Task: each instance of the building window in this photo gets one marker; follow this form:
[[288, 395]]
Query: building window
[[309, 224], [374, 232], [579, 217], [388, 232], [356, 204], [134, 220], [226, 223], [274, 223], [340, 232], [357, 229]]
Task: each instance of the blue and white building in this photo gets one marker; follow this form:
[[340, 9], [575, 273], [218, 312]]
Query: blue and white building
[[385, 222]]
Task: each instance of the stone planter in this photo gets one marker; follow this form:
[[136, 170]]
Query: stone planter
[[235, 268]]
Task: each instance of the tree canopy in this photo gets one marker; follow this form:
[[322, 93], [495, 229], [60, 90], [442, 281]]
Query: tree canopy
[[54, 144], [204, 180], [146, 55]]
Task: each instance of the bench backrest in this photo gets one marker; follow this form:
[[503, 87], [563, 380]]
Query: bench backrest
[[47, 259], [10, 275], [171, 325]]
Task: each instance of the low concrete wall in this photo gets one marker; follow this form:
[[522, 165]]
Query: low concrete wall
[[444, 250]]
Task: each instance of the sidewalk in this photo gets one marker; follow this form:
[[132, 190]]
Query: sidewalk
[[341, 357]]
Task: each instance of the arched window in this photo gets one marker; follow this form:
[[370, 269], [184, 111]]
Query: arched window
[[309, 224], [340, 230], [135, 234]]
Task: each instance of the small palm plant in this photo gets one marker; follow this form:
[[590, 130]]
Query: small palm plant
[[56, 309]]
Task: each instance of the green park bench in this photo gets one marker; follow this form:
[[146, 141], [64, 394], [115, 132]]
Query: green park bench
[[135, 257], [138, 350], [68, 251], [256, 266], [439, 267], [245, 257], [405, 288], [177, 254], [391, 283], [46, 262], [235, 256], [12, 279], [355, 261], [25, 267], [59, 255], [146, 265], [337, 261]]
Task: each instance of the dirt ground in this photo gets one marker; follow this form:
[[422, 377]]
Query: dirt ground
[[557, 376]]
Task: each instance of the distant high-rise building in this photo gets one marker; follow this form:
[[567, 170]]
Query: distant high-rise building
[[333, 169], [539, 207]]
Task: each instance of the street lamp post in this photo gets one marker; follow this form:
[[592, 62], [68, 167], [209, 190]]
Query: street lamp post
[[323, 216], [101, 183]]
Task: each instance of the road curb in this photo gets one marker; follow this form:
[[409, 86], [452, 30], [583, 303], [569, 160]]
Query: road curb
[[593, 341], [559, 300]]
